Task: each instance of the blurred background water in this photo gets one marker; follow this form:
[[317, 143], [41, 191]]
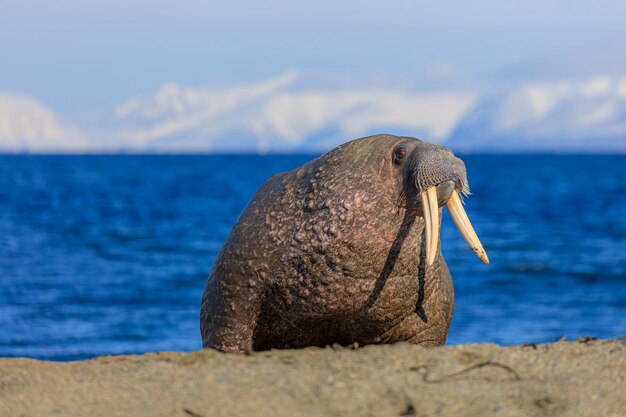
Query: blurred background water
[[109, 254]]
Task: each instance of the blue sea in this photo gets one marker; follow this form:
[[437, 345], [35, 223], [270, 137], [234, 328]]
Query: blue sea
[[109, 254]]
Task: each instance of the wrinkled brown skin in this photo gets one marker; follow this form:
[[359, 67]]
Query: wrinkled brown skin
[[333, 252]]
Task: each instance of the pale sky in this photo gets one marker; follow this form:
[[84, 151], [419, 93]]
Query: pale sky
[[80, 56]]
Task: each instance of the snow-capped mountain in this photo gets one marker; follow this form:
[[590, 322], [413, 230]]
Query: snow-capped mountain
[[26, 125], [281, 115], [587, 115], [562, 103]]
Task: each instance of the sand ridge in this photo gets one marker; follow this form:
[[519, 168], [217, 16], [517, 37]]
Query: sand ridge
[[581, 378]]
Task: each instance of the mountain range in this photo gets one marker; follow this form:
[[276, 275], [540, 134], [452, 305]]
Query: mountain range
[[573, 108]]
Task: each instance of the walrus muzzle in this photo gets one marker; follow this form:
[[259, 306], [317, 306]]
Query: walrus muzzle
[[436, 170]]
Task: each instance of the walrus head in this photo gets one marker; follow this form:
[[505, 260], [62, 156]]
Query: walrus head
[[431, 174]]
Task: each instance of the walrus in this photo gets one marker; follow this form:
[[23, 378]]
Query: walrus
[[342, 250]]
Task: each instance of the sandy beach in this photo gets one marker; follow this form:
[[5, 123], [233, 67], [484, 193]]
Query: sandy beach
[[581, 378]]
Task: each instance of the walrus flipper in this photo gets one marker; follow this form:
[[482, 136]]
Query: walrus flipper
[[227, 318]]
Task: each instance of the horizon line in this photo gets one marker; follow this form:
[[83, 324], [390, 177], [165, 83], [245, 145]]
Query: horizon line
[[529, 152]]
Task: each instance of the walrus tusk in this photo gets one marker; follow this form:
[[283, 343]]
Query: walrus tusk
[[430, 207], [457, 212]]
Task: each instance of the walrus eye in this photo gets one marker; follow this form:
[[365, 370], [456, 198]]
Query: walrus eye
[[399, 154]]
